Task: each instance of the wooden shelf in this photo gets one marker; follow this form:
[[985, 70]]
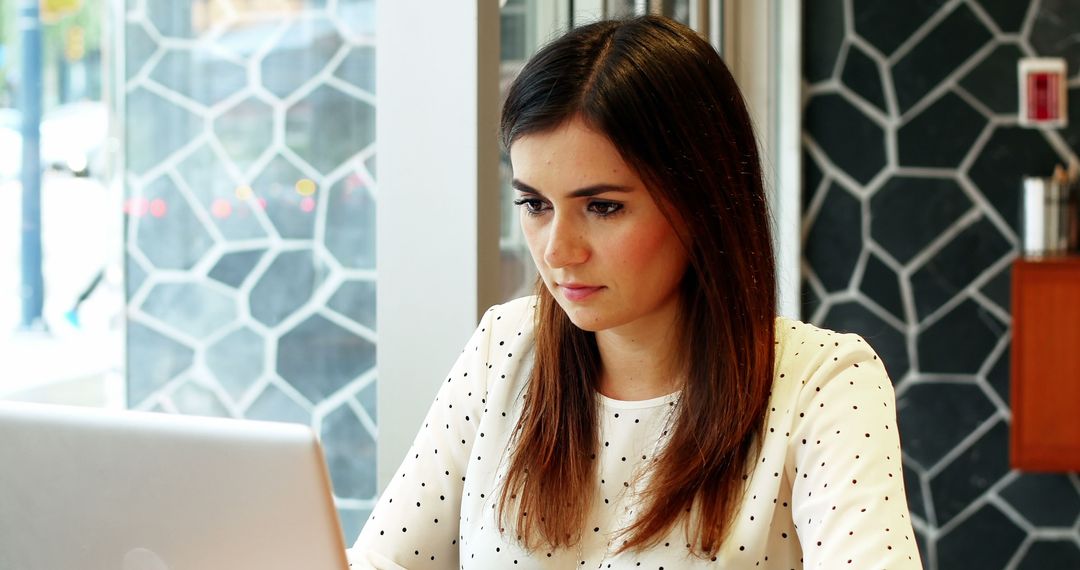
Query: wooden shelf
[[1045, 383]]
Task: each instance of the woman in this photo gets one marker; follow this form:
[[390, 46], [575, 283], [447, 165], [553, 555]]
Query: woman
[[646, 408]]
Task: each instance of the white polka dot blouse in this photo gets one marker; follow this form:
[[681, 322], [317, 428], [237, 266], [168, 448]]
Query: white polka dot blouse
[[826, 490]]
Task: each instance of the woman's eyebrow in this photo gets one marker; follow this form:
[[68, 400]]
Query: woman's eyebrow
[[585, 192]]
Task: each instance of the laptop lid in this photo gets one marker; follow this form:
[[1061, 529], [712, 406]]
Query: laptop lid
[[94, 489]]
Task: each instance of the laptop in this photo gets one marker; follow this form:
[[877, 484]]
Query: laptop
[[91, 489]]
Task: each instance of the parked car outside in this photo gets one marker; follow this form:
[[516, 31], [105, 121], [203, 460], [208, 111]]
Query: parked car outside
[[72, 139]]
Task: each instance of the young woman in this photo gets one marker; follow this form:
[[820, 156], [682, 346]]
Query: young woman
[[646, 409]]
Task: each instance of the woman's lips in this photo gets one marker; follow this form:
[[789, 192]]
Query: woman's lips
[[574, 292]]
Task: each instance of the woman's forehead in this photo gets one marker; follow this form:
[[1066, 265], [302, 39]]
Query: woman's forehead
[[571, 153]]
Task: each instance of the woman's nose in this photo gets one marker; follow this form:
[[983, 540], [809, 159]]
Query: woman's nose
[[566, 244]]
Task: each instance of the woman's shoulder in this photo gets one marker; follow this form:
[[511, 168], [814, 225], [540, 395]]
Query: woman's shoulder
[[513, 316], [507, 324], [807, 346], [515, 308]]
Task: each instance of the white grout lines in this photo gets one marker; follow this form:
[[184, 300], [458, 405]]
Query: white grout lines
[[911, 326], [198, 379]]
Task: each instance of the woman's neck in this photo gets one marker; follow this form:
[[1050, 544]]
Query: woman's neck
[[640, 361]]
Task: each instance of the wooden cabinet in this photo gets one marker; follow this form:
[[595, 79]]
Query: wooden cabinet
[[1045, 384]]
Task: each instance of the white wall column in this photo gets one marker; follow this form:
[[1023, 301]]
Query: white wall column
[[437, 68], [761, 42]]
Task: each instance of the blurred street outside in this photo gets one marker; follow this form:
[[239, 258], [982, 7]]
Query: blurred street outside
[[79, 359]]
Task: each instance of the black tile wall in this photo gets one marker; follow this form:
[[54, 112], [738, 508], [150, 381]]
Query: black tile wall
[[987, 539], [907, 213], [960, 341], [1043, 554], [913, 248], [886, 340], [834, 242], [826, 18], [1054, 31], [861, 75], [935, 417], [1045, 499], [993, 82], [858, 148], [886, 23], [1007, 14], [942, 134], [1009, 155], [970, 474], [234, 267], [948, 44], [881, 285], [956, 265]]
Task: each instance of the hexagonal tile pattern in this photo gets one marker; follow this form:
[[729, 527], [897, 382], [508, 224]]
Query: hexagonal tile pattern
[[1054, 32], [987, 539], [827, 21], [941, 135], [303, 51], [358, 68], [356, 300], [994, 81], [175, 71], [245, 130], [935, 417], [318, 357], [861, 75], [1007, 14], [172, 303], [888, 342], [957, 265], [1051, 554], [196, 400], [908, 213], [971, 473], [207, 177], [887, 24], [1009, 155], [858, 149], [275, 406], [237, 361], [139, 46], [1045, 499], [233, 268], [949, 44], [881, 285], [357, 17], [149, 143], [285, 286], [350, 232], [172, 237], [346, 443], [326, 127], [960, 341], [153, 359], [933, 254], [833, 245], [184, 20], [228, 107], [292, 214]]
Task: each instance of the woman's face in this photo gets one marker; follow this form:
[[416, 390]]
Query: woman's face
[[602, 246]]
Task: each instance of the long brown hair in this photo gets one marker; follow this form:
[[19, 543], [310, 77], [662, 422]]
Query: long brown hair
[[667, 102]]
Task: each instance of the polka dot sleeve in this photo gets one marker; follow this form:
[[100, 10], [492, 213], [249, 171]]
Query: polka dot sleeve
[[416, 521], [847, 498]]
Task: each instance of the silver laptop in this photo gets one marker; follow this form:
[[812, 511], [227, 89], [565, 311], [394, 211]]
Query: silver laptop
[[101, 490]]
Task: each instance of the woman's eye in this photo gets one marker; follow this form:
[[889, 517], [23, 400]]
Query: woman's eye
[[532, 206], [604, 209]]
